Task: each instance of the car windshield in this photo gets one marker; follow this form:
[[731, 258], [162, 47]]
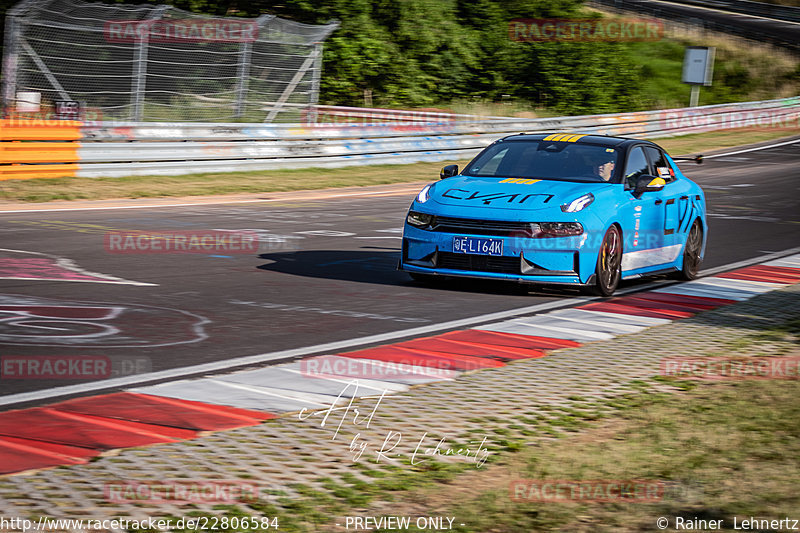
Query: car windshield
[[546, 160]]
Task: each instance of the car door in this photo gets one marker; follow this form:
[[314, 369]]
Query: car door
[[644, 231], [677, 205]]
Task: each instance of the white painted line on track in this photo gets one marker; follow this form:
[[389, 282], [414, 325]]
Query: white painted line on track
[[749, 262], [776, 145], [219, 202], [338, 346], [70, 265], [330, 347]]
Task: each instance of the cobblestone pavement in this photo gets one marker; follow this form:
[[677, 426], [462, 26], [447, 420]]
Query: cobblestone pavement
[[480, 412]]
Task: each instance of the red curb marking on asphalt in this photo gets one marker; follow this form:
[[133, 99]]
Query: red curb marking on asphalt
[[436, 344], [612, 307], [49, 425], [688, 302], [769, 274], [20, 454], [227, 409], [56, 311], [157, 411], [56, 450], [682, 311], [514, 340], [423, 358], [44, 268]]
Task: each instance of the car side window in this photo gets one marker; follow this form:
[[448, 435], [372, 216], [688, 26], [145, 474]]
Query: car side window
[[659, 162], [635, 166]]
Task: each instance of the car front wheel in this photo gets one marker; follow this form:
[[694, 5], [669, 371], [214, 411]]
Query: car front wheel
[[609, 264]]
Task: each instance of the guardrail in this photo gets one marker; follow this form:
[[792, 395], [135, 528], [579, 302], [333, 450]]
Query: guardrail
[[124, 149]]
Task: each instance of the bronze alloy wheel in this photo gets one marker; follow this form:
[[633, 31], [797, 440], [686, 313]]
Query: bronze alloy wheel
[[609, 263], [691, 253]]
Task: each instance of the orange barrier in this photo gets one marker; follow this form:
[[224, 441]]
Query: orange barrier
[[29, 172], [21, 157], [38, 152], [21, 129]]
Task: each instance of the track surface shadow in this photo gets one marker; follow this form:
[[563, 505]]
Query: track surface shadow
[[378, 266]]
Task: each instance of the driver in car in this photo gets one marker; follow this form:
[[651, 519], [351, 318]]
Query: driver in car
[[604, 167]]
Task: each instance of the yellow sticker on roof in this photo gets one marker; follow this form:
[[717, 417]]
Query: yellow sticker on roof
[[563, 137]]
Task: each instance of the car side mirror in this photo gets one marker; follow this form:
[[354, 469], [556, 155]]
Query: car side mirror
[[448, 172], [647, 183]]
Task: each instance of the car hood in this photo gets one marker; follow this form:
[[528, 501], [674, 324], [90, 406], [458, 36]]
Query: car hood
[[510, 193]]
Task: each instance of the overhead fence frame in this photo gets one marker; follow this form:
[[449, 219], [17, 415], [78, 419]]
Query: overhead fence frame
[[45, 149], [145, 62]]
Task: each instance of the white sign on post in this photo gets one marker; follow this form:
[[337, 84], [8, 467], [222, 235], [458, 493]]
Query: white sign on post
[[698, 69], [698, 65]]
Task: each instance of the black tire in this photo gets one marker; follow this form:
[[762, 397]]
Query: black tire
[[608, 272], [691, 253]]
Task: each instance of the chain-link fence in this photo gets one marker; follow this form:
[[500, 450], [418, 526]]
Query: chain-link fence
[[159, 63]]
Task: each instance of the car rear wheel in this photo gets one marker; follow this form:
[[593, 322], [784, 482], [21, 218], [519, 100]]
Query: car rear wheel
[[609, 264], [691, 253]]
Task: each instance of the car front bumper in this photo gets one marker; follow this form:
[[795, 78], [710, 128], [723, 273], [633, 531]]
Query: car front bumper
[[553, 260]]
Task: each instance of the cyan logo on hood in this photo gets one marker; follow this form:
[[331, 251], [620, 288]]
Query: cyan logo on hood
[[506, 193]]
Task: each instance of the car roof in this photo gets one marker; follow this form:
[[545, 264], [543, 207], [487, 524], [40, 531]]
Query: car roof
[[602, 140]]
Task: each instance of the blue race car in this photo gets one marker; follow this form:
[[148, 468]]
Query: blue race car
[[569, 209]]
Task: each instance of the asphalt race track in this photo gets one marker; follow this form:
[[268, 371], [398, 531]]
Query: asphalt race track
[[324, 272], [764, 29]]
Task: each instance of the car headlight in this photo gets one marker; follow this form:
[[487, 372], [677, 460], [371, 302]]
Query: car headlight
[[424, 195], [419, 220], [578, 204], [559, 229]]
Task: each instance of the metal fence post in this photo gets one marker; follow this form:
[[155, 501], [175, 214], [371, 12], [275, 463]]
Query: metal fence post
[[243, 75], [316, 73], [139, 83], [10, 62]]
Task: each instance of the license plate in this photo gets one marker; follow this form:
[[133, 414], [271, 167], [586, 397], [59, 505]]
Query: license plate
[[477, 246]]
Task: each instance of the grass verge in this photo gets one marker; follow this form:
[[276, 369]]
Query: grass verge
[[44, 190]]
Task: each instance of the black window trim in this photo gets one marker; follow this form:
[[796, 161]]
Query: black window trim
[[653, 167], [631, 148]]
